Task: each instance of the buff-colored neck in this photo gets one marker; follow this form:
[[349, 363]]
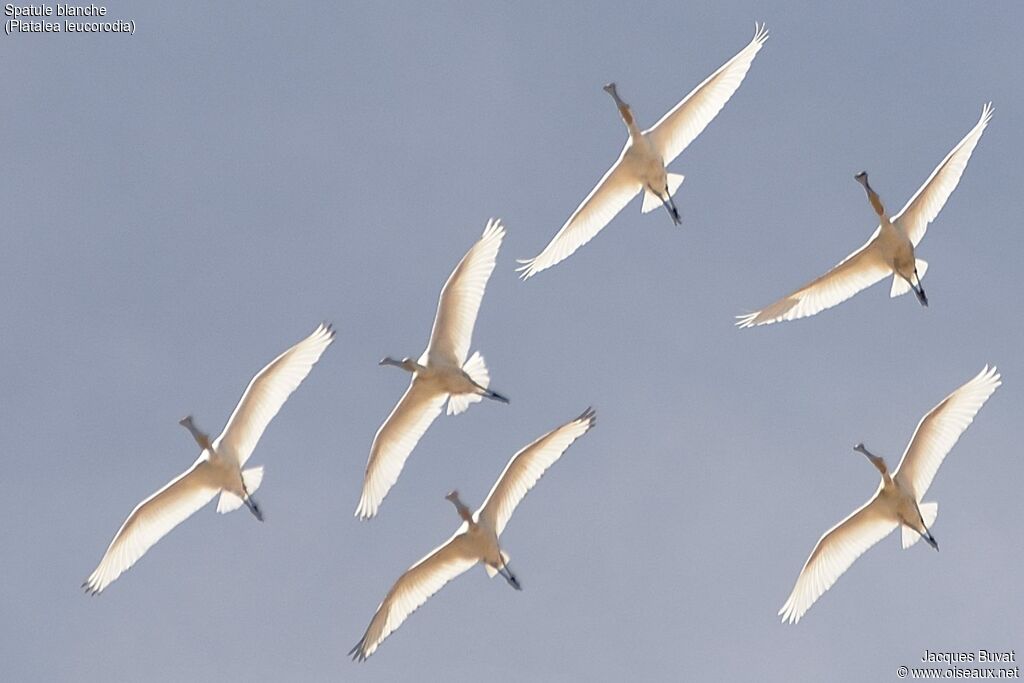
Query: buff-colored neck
[[876, 201], [464, 512], [876, 460], [624, 110], [201, 438]]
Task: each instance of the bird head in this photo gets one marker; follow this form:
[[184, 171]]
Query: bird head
[[624, 110], [876, 460]]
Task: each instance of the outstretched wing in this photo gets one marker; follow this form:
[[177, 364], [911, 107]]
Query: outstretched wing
[[610, 196], [678, 128], [460, 299], [267, 392], [833, 555], [413, 588], [926, 203], [395, 439], [152, 519], [526, 467], [939, 430], [858, 271]]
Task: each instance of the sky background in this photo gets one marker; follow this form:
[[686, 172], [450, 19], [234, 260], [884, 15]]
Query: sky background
[[183, 204]]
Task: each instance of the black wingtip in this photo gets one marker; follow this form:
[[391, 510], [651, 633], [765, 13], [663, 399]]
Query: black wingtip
[[356, 653], [588, 415]]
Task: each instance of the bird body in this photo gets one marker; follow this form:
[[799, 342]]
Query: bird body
[[442, 373], [641, 166], [642, 161], [889, 251], [476, 540], [441, 377], [891, 247], [898, 500], [220, 465], [221, 469]]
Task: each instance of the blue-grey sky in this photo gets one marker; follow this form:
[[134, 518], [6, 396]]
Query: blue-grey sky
[[183, 204]]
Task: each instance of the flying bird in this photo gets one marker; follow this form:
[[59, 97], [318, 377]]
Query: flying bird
[[476, 540], [889, 251], [218, 469], [441, 373], [641, 165], [897, 502]]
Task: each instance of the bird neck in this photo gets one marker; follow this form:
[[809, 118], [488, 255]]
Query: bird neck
[[464, 512], [412, 366], [201, 438], [407, 364], [877, 461], [886, 477], [880, 465], [876, 204], [627, 117], [876, 201]]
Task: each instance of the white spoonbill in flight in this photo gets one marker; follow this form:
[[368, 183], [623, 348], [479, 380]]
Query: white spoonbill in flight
[[641, 165], [889, 251], [897, 503], [441, 373], [476, 540], [218, 469]]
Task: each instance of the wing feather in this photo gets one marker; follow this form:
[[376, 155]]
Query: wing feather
[[678, 128], [929, 199], [939, 430], [152, 519], [395, 439], [267, 392], [856, 272], [460, 299], [604, 202], [414, 588], [526, 467], [835, 552]]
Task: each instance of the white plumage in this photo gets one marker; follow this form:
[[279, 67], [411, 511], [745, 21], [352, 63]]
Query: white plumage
[[476, 540], [889, 250], [218, 469], [641, 164], [441, 373], [897, 503]]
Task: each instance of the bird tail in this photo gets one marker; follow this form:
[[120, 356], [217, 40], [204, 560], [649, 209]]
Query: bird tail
[[929, 511], [652, 201], [252, 478], [477, 371], [491, 571], [901, 286]]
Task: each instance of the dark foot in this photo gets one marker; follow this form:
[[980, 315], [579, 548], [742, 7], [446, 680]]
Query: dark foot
[[496, 396], [254, 509]]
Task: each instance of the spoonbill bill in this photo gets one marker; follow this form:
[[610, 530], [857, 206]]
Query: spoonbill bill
[[441, 373], [476, 540], [218, 469], [889, 251], [641, 164], [897, 502]]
